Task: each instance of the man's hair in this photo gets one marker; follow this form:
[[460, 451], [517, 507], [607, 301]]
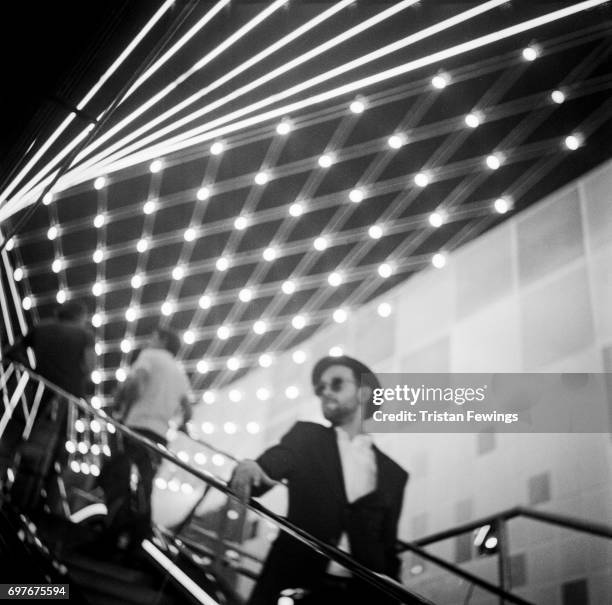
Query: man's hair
[[71, 311], [170, 340], [362, 374]]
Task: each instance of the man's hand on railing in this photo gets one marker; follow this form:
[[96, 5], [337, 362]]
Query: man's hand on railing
[[246, 475]]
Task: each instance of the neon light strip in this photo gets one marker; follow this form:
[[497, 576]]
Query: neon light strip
[[13, 402], [254, 60], [109, 72], [32, 415], [182, 141], [180, 576], [165, 91]]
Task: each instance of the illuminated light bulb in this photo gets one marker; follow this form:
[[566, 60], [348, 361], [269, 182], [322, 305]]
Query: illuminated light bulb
[[385, 270], [85, 468], [241, 223], [298, 356], [265, 360], [260, 327], [531, 53], [501, 205], [472, 120], [131, 314], [209, 397], [75, 467], [340, 316], [252, 428], [161, 483], [396, 141], [292, 392], [218, 460], [421, 179], [223, 332], [233, 363], [222, 264], [98, 256], [149, 207], [384, 309], [106, 450], [142, 245], [298, 322], [70, 447], [189, 337], [155, 166], [174, 485], [436, 219], [557, 96], [26, 303], [186, 488], [120, 374], [438, 260], [326, 160], [235, 395], [10, 244], [99, 221], [203, 193], [96, 403], [494, 161], [296, 209], [284, 127], [136, 281], [356, 195], [205, 302], [183, 456], [190, 234], [334, 279], [56, 265], [200, 458], [52, 233], [202, 366], [217, 148], [261, 178], [573, 141], [208, 428], [440, 81], [48, 198], [288, 287], [336, 351], [18, 274], [375, 232], [178, 273], [270, 254], [167, 308], [97, 289], [99, 349], [245, 295], [230, 428], [100, 183], [320, 244], [96, 320], [95, 448], [110, 428], [61, 296], [357, 106], [94, 425], [262, 394], [79, 425], [126, 345]]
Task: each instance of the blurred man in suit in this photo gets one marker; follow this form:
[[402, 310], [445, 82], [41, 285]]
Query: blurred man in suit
[[342, 489]]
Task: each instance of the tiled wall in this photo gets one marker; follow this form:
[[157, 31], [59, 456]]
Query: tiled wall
[[534, 294]]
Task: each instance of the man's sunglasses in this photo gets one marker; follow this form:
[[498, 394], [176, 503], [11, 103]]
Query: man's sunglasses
[[335, 385]]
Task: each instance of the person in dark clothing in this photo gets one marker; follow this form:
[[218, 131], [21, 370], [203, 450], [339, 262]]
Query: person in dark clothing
[[64, 354], [342, 489], [63, 349]]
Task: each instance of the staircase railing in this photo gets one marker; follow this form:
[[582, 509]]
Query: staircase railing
[[383, 583]]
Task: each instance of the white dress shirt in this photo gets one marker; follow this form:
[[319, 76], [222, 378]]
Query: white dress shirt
[[359, 472]]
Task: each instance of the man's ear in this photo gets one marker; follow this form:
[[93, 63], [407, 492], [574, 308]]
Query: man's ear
[[364, 393]]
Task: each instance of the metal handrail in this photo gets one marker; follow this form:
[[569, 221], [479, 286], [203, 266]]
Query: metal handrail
[[383, 583]]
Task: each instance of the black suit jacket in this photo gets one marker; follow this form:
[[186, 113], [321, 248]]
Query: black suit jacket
[[309, 458]]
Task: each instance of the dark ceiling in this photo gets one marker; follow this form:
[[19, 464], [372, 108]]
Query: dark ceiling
[[511, 96]]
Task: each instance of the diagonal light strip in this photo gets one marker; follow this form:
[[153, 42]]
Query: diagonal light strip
[[241, 68], [103, 79], [170, 87], [182, 141]]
